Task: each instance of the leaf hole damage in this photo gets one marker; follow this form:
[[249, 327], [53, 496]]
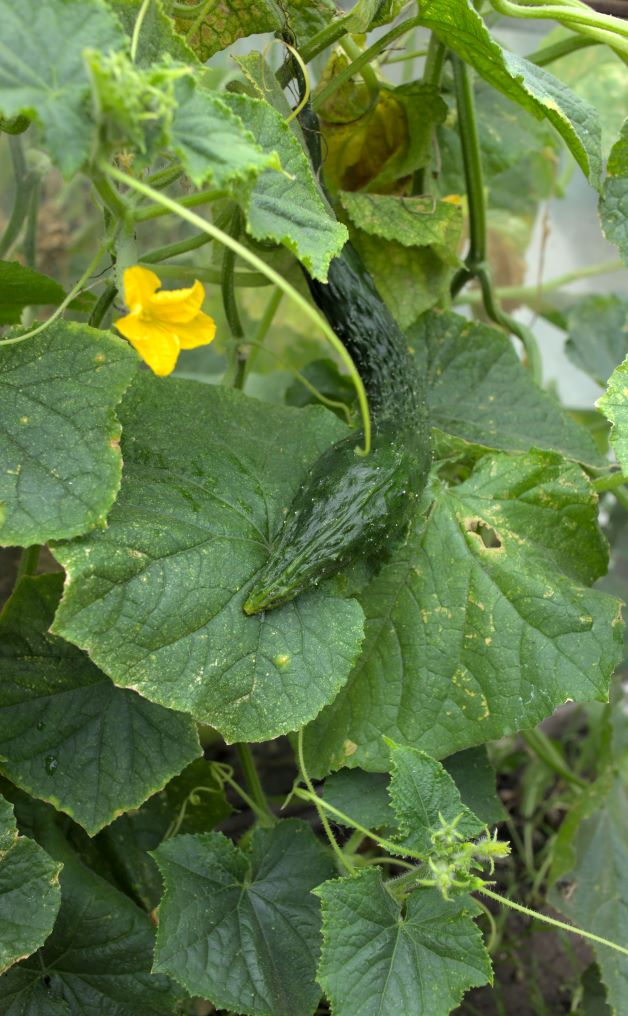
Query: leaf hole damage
[[486, 534]]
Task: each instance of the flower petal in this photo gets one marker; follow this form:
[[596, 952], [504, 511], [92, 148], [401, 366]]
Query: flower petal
[[199, 332], [157, 345], [177, 306], [139, 286]]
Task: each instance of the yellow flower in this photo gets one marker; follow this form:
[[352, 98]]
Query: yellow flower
[[162, 323]]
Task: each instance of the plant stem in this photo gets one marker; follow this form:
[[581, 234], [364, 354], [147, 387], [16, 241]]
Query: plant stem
[[604, 27], [323, 399], [112, 200], [263, 326], [543, 747], [25, 182], [345, 861], [102, 305], [211, 275], [547, 54], [191, 201], [432, 74], [326, 37], [362, 61], [609, 482], [251, 776], [247, 255], [172, 250], [367, 73], [552, 921], [28, 561], [30, 236], [137, 28], [526, 294]]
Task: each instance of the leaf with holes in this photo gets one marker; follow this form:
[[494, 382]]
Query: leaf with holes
[[243, 928], [481, 623], [156, 599], [60, 462], [377, 960], [27, 874]]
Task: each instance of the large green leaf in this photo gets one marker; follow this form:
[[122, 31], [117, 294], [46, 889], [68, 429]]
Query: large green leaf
[[156, 599], [479, 391], [377, 960], [474, 777], [411, 221], [42, 72], [460, 27], [614, 405], [598, 334], [361, 796], [212, 142], [592, 891], [22, 287], [480, 624], [97, 960], [60, 463], [243, 929], [29, 892], [422, 793], [221, 24], [287, 207], [614, 200], [67, 734]]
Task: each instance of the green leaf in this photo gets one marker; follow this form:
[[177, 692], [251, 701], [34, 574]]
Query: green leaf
[[22, 287], [474, 777], [614, 201], [424, 108], [157, 37], [97, 960], [60, 463], [156, 599], [592, 889], [361, 796], [212, 142], [377, 960], [287, 207], [421, 791], [479, 625], [460, 27], [42, 72], [598, 334], [614, 405], [243, 929], [366, 14], [67, 734], [410, 280], [235, 19], [411, 221], [29, 892], [479, 391]]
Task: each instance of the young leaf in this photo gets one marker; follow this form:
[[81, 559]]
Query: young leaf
[[411, 221], [42, 72], [479, 391], [60, 463], [460, 27], [156, 599], [243, 929], [22, 287], [97, 960], [614, 405], [29, 892], [480, 625], [376, 960], [157, 37], [614, 200], [421, 791], [287, 207], [598, 334], [592, 889], [236, 19], [67, 734], [212, 142]]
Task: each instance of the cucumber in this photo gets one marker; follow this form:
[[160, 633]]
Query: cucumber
[[350, 504]]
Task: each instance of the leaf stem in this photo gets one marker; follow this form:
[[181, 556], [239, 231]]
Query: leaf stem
[[76, 289], [253, 782], [155, 211], [247, 255], [263, 326], [547, 54], [545, 750], [25, 182], [318, 395], [552, 921], [102, 305], [611, 481], [28, 561], [137, 28], [526, 294], [317, 801], [172, 250], [211, 275], [234, 374], [432, 74], [602, 27]]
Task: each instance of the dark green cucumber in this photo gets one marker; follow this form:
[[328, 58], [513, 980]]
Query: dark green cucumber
[[350, 504]]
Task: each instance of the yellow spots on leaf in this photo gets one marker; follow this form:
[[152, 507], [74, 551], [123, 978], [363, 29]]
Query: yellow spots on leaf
[[24, 420], [349, 748]]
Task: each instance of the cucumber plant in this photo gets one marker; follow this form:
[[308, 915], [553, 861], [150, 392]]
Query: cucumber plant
[[283, 471]]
